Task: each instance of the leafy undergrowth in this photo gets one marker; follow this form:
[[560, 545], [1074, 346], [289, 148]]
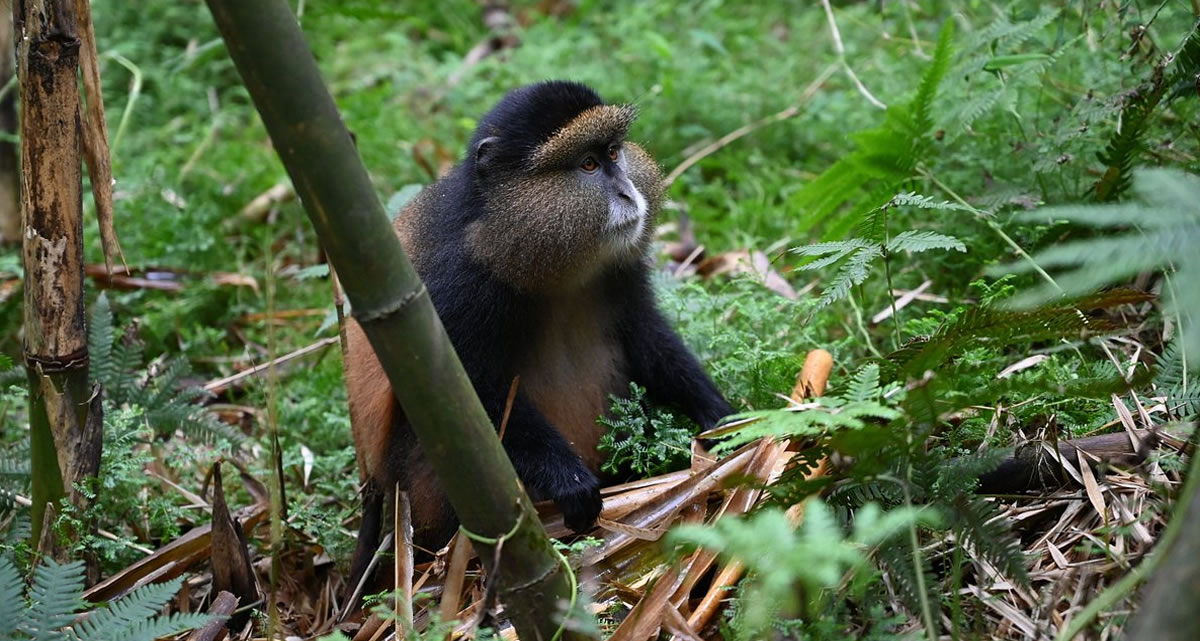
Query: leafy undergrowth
[[1001, 262]]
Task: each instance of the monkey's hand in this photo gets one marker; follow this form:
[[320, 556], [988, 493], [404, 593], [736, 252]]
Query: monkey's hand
[[577, 494]]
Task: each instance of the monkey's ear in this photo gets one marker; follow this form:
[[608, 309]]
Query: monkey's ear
[[485, 151]]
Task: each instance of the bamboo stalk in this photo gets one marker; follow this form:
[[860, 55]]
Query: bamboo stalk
[[395, 311], [65, 430]]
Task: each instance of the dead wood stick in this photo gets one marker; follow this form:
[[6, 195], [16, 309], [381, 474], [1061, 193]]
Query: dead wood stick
[[665, 506], [182, 552], [646, 617], [1030, 468], [222, 607], [456, 573], [402, 524]]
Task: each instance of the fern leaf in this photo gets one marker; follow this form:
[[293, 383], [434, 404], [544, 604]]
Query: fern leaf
[[919, 241], [865, 384], [54, 597], [135, 616], [11, 599], [100, 343], [1138, 110], [842, 247], [979, 524], [854, 272], [159, 627], [922, 104], [913, 199]]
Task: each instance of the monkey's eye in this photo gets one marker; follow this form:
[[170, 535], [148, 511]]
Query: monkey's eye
[[589, 164], [614, 153]]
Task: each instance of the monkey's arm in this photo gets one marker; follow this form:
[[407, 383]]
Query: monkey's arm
[[548, 466], [488, 325], [661, 363]]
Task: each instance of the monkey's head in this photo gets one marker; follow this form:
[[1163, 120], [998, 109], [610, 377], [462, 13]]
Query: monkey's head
[[563, 194]]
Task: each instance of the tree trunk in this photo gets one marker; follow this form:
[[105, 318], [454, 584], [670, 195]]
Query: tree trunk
[[64, 413], [395, 311]]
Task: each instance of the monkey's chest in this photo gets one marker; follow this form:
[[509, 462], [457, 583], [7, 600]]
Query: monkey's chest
[[575, 365]]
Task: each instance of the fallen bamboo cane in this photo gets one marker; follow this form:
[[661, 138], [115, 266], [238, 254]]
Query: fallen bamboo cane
[[809, 384]]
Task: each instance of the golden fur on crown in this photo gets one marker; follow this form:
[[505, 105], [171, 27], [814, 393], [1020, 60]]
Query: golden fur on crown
[[594, 126]]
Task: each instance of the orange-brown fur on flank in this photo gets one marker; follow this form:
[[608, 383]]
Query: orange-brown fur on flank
[[572, 370]]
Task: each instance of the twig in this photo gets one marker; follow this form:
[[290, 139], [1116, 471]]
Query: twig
[[912, 31], [712, 147], [900, 303], [841, 55], [220, 385]]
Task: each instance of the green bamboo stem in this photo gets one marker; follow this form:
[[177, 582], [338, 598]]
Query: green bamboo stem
[[395, 311]]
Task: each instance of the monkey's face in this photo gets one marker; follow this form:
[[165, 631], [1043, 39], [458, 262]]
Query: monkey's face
[[582, 201], [604, 173]]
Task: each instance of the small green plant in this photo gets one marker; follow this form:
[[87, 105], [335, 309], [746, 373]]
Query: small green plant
[[117, 496], [873, 242], [795, 569], [49, 610], [168, 403], [644, 441], [856, 409]]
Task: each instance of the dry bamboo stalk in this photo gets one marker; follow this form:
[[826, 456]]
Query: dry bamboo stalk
[[666, 505], [403, 563], [644, 621], [456, 574], [810, 383]]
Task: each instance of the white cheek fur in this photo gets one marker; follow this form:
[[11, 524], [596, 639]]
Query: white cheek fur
[[628, 217]]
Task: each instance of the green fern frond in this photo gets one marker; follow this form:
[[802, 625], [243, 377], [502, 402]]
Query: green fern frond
[[920, 241], [1187, 64], [135, 616], [159, 627], [922, 104], [1000, 37], [54, 598], [169, 403], [1137, 112], [852, 273], [11, 599], [979, 524], [1171, 379], [14, 463], [101, 334], [865, 385], [641, 440], [993, 325], [913, 199], [808, 423], [897, 560], [1170, 235], [128, 357]]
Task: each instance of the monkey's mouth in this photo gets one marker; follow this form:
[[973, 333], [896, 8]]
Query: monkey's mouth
[[625, 223]]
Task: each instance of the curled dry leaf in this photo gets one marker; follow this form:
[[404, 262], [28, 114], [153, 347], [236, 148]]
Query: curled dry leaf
[[753, 263]]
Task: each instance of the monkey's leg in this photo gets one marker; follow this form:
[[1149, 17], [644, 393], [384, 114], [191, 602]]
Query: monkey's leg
[[368, 539]]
